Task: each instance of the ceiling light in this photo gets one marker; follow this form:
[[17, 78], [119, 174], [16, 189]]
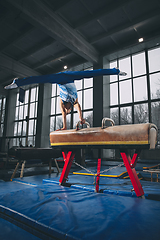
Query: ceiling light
[[140, 39], [65, 67]]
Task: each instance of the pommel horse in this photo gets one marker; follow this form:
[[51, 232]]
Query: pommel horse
[[122, 137]]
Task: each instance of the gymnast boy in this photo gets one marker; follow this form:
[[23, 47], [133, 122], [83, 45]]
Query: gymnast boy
[[68, 91], [69, 99]]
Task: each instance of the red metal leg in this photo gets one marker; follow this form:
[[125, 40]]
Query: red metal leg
[[130, 164], [64, 154], [135, 158], [68, 158], [98, 174]]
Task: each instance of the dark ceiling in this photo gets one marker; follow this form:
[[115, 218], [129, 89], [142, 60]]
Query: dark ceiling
[[41, 36]]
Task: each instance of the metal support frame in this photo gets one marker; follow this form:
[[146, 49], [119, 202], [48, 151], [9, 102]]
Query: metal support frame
[[130, 166], [22, 169], [98, 175], [15, 170], [68, 158], [50, 166], [128, 162]]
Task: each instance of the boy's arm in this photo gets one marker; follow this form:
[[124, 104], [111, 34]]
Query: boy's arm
[[63, 115], [78, 108]]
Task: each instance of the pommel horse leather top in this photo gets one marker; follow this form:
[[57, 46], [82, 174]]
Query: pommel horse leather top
[[130, 136], [123, 137]]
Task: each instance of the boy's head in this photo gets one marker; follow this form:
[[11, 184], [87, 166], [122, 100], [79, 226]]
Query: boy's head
[[68, 107]]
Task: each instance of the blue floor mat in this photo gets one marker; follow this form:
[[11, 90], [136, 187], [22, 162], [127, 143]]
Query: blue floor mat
[[37, 207], [68, 213], [11, 231]]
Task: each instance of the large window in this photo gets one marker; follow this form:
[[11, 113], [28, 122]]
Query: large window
[[85, 98], [135, 98], [2, 114], [26, 118]]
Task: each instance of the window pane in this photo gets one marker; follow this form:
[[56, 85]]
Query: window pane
[[52, 105], [139, 66], [20, 103], [113, 78], [155, 116], [33, 94], [26, 96], [32, 110], [21, 112], [24, 128], [126, 115], [141, 113], [155, 113], [114, 114], [68, 121], [140, 89], [88, 82], [58, 110], [113, 64], [37, 90], [154, 63], [14, 142], [80, 97], [155, 85], [58, 90], [88, 116], [4, 103], [125, 91], [75, 119], [125, 66], [17, 101], [1, 129], [25, 110], [52, 124], [19, 128], [23, 142], [88, 98], [2, 116], [17, 110], [36, 103], [31, 127], [30, 141], [15, 128], [59, 123], [114, 94], [53, 90], [78, 84], [35, 124]]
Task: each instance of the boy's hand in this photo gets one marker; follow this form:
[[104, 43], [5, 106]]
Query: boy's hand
[[83, 121], [61, 129]]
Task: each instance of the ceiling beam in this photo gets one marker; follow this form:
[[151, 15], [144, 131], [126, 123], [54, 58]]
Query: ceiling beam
[[150, 40], [57, 57], [37, 48], [57, 4], [109, 8], [126, 26], [41, 16], [16, 37], [18, 69]]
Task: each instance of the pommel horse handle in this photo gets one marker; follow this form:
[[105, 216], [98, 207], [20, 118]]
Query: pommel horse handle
[[79, 122], [107, 119]]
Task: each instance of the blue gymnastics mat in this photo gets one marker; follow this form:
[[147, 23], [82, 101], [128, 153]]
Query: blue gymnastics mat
[[47, 210]]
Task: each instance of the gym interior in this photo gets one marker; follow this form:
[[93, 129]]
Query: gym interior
[[98, 180]]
